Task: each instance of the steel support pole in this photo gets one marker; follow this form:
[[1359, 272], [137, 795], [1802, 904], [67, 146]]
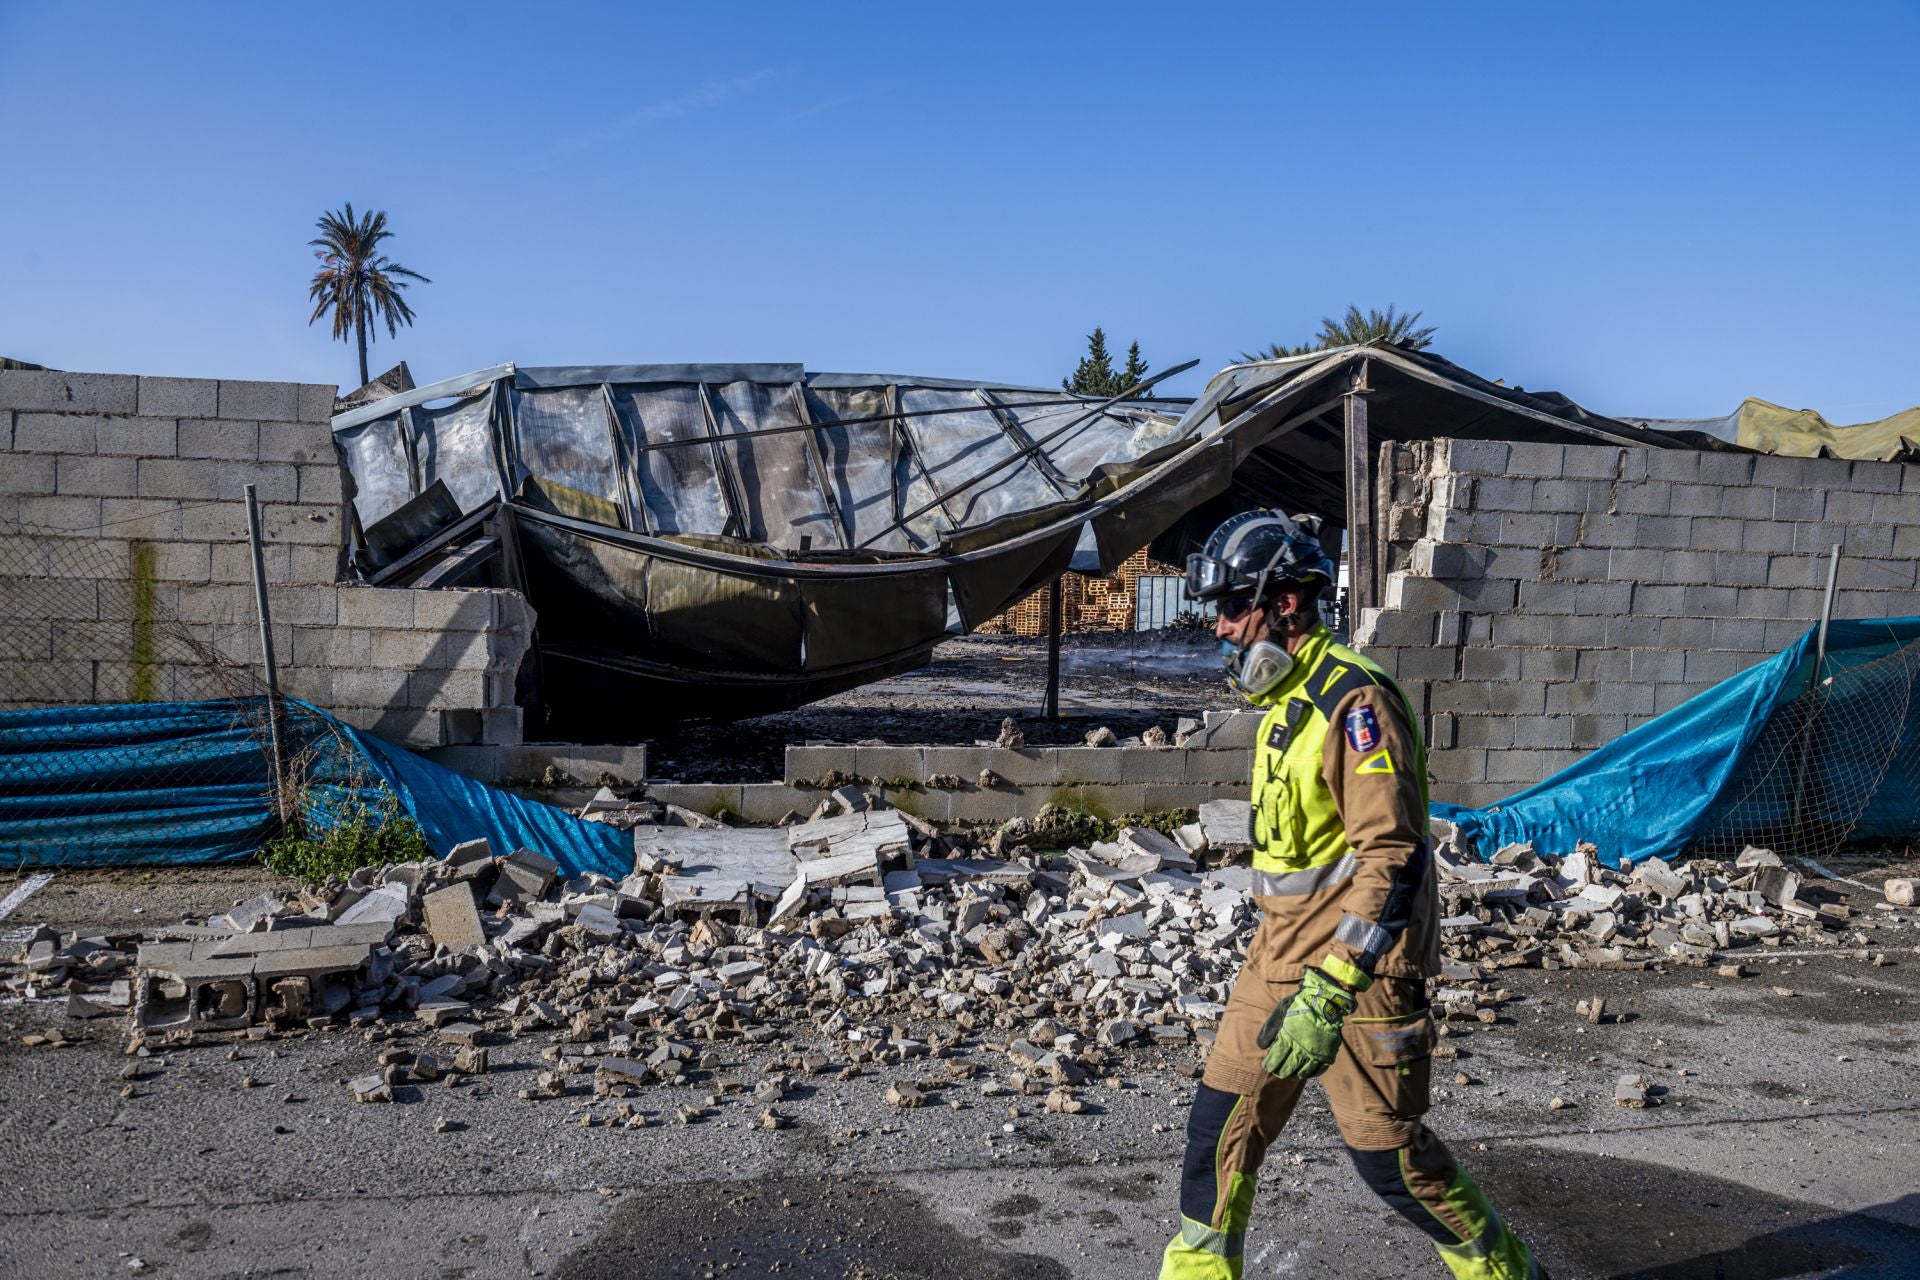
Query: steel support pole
[[1362, 588], [1051, 709], [1826, 616], [266, 651], [1803, 766]]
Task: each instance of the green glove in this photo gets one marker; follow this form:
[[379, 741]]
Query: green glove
[[1302, 1034]]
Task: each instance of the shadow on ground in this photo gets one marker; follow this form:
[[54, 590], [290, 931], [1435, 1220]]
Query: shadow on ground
[[1632, 1220], [803, 1228]]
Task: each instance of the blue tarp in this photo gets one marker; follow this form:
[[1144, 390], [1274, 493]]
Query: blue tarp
[[1707, 768], [190, 782]]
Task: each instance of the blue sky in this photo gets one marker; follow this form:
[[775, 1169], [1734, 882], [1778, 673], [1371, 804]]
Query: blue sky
[[1654, 208]]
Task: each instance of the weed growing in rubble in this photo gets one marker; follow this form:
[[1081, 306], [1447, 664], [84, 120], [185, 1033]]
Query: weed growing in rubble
[[1074, 822], [359, 835]]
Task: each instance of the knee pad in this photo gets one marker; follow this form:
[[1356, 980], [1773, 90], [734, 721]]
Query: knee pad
[[1199, 1174], [1383, 1172]]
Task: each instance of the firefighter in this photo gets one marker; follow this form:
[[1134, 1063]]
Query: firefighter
[[1334, 983]]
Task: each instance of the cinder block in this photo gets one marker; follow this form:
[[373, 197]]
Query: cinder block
[[382, 607], [446, 689], [1482, 662], [135, 437], [311, 684], [1874, 574], [222, 438], [1513, 529], [1745, 502], [320, 483], [1390, 628], [1874, 477], [1593, 462], [1543, 731], [1672, 532], [1899, 509], [1542, 666], [1682, 465], [405, 650], [1478, 457], [338, 646], [316, 402], [1657, 666], [454, 610], [27, 473], [1682, 633], [91, 477], [1868, 540], [1530, 459], [179, 397], [871, 762], [1208, 766], [1747, 634], [1569, 696], [1796, 571], [217, 604], [368, 686], [1613, 531], [1768, 537], [1424, 664], [1715, 602], [506, 725], [1602, 667], [52, 391], [1571, 495], [311, 564], [1476, 731], [68, 433], [1849, 508], [1648, 498], [261, 401], [1735, 569], [296, 442], [1479, 595], [313, 526], [48, 600], [182, 562], [1726, 468]]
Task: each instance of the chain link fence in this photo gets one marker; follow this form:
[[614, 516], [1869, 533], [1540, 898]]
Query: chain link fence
[[1837, 764], [135, 720]]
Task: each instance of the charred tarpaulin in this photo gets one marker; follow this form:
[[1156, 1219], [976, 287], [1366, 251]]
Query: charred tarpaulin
[[734, 539]]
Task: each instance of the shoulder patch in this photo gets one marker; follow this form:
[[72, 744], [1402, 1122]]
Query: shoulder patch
[[1333, 681], [1363, 729], [1380, 761]]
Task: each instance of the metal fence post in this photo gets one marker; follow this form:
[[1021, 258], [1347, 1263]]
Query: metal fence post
[[1803, 766], [266, 652]]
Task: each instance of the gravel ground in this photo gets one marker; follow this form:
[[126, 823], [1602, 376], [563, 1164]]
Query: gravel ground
[[1784, 1145]]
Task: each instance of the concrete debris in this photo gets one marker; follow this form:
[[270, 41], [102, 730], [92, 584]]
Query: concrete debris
[[1901, 892], [1631, 1091], [1524, 909]]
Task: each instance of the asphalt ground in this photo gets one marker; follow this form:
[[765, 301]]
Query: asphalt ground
[[1783, 1144]]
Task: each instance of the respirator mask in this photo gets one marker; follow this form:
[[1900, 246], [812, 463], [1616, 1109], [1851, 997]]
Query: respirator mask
[[1256, 669]]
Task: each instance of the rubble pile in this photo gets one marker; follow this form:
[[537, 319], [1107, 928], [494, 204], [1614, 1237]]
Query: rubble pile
[[863, 926], [867, 930], [1526, 909]]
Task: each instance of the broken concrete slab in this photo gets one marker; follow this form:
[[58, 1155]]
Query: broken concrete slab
[[452, 920], [383, 905]]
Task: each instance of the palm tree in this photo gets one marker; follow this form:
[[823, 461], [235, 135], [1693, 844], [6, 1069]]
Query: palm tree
[[356, 281], [1357, 330]]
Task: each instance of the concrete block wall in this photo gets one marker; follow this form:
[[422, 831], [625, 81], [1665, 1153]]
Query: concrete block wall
[[122, 514], [1541, 600]]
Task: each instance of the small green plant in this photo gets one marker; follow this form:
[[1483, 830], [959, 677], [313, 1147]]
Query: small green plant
[[361, 835]]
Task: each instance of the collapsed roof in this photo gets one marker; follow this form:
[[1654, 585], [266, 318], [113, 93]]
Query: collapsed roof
[[735, 539]]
